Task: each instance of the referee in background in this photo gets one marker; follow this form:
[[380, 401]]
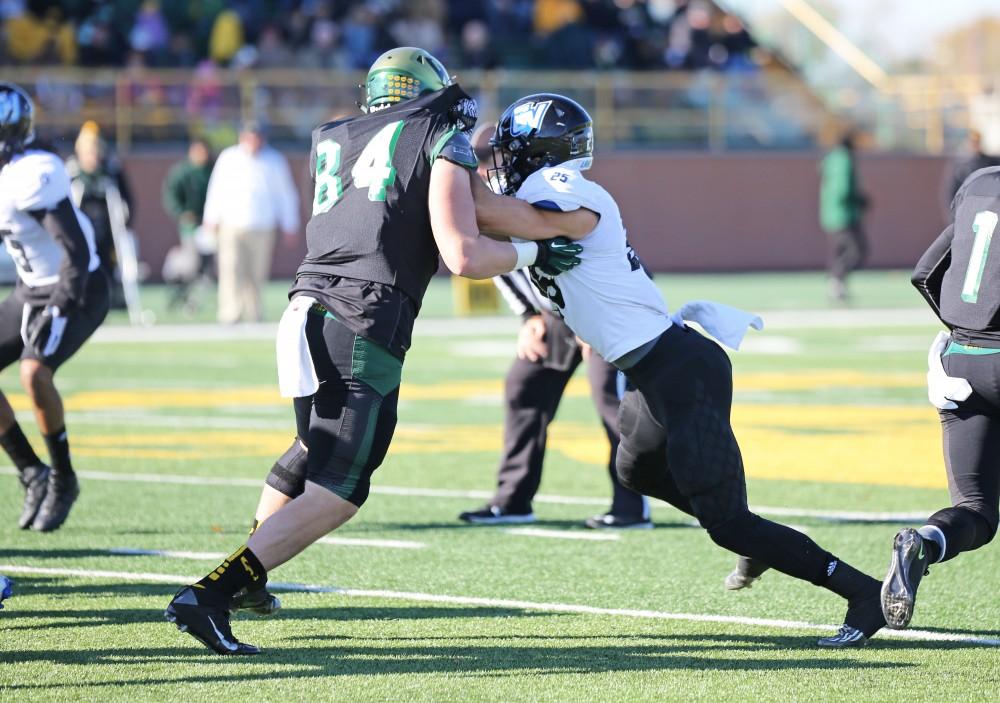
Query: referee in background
[[547, 356]]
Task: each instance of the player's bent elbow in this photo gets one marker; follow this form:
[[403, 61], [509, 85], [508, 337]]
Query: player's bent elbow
[[467, 261], [459, 259]]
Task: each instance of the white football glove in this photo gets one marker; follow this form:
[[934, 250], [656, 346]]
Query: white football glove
[[943, 390], [44, 330]]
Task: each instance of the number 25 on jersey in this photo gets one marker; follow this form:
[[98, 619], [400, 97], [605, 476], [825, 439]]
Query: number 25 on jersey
[[373, 168]]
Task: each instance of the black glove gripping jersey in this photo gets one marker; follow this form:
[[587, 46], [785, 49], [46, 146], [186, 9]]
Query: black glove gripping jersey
[[370, 221], [959, 274]]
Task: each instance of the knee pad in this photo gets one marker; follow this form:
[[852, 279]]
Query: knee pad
[[288, 475], [632, 474], [733, 533]]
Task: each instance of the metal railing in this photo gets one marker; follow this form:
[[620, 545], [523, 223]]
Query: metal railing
[[762, 109], [765, 109]]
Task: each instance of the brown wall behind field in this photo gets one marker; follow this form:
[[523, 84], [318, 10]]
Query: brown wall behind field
[[684, 212]]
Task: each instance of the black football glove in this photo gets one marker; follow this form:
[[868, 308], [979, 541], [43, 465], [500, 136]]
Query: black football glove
[[45, 331], [557, 255], [465, 113]]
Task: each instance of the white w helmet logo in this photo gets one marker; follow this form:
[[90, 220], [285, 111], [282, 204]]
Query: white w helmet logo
[[528, 116]]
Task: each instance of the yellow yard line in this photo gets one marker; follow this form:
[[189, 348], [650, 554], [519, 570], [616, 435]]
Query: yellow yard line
[[822, 443]]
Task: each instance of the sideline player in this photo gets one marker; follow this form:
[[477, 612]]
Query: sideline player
[[677, 442], [959, 276], [60, 300], [392, 190]]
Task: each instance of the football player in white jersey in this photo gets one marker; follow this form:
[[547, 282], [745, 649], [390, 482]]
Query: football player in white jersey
[[677, 443], [60, 299]]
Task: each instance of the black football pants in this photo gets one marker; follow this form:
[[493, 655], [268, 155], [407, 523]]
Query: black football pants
[[677, 444], [532, 393], [972, 456]]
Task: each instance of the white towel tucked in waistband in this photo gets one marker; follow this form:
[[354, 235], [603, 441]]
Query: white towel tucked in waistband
[[296, 373], [727, 324]]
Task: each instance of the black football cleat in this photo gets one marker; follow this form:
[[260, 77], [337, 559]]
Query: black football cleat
[[846, 637], [62, 491], [35, 481], [863, 620], [207, 622], [908, 567], [261, 602], [610, 521], [495, 515], [746, 572]]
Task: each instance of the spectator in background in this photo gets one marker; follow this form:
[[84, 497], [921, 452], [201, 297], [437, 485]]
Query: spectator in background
[[226, 38], [250, 196], [40, 35], [361, 36], [184, 193], [553, 15], [967, 164], [101, 190], [150, 34], [272, 51], [477, 51], [97, 41], [421, 24], [322, 49], [842, 206]]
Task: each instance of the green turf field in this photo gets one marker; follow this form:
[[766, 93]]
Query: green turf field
[[173, 429]]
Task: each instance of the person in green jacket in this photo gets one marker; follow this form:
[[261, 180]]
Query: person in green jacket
[[184, 192], [842, 205]]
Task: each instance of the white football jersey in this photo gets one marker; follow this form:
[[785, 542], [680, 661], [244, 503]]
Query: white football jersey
[[608, 300], [30, 184]]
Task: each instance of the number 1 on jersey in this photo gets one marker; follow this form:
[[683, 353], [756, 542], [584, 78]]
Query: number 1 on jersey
[[982, 227], [373, 169]]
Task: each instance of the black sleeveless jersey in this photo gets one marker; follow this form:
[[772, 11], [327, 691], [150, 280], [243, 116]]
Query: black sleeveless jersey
[[372, 174], [961, 270], [370, 228]]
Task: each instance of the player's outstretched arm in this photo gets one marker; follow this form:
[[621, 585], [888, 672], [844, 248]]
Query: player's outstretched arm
[[467, 253], [510, 217]]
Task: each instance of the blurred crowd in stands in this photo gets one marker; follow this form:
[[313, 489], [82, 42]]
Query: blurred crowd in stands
[[349, 34]]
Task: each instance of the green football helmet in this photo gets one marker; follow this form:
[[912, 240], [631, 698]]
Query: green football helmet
[[402, 74]]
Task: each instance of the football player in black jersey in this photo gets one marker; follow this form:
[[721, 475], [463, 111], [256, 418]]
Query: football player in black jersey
[[392, 193], [959, 276]]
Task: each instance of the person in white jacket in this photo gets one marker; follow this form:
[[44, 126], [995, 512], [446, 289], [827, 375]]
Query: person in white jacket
[[251, 196]]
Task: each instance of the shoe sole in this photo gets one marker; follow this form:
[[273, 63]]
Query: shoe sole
[[898, 594], [505, 520]]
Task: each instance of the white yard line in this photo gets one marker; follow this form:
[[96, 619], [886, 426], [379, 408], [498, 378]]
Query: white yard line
[[146, 577], [366, 542], [512, 604], [562, 534], [167, 553], [505, 325], [783, 511]]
